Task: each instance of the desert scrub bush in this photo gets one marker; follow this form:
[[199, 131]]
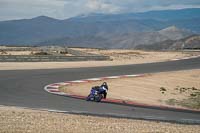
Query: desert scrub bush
[[172, 102], [193, 100], [163, 90], [41, 53]]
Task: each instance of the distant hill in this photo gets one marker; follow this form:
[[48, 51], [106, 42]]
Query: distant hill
[[174, 33], [103, 30], [123, 40], [191, 42]]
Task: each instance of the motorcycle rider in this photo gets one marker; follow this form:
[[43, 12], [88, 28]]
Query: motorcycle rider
[[103, 89]]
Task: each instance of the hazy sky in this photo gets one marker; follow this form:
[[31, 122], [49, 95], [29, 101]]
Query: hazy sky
[[62, 9]]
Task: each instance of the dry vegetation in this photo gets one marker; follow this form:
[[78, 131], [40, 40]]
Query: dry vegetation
[[17, 120], [154, 89]]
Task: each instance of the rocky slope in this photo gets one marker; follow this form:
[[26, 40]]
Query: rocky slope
[[191, 42]]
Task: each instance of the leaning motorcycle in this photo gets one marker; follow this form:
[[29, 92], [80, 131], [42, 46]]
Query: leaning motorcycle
[[94, 96]]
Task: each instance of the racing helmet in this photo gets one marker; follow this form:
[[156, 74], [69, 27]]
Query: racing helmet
[[105, 85]]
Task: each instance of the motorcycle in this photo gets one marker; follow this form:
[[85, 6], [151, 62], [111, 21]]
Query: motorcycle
[[94, 95]]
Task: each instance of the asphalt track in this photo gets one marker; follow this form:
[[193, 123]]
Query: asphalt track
[[24, 88]]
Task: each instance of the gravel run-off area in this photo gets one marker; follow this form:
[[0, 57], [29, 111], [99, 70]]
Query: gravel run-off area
[[18, 120]]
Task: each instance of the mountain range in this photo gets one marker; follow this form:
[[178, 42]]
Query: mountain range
[[103, 30]]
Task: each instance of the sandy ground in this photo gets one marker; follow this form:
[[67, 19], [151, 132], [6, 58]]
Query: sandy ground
[[145, 89], [17, 120], [119, 57], [17, 53], [5, 47]]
